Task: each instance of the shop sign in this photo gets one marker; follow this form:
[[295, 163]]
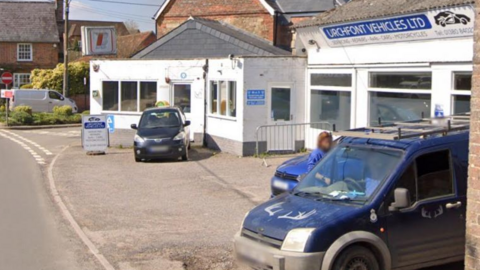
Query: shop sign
[[255, 97], [94, 133], [99, 40], [435, 24], [111, 123]]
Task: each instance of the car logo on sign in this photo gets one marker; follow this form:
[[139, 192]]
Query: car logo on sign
[[93, 119]]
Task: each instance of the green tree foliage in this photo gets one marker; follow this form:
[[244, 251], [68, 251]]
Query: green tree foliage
[[53, 78]]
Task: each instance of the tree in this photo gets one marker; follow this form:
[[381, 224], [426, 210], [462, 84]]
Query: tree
[[132, 26], [53, 78]]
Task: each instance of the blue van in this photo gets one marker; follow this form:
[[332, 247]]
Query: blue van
[[383, 198]]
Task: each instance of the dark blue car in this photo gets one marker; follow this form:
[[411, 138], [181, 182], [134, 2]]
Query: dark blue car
[[288, 174], [376, 201]]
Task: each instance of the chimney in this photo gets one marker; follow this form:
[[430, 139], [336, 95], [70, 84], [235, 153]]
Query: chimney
[[59, 8]]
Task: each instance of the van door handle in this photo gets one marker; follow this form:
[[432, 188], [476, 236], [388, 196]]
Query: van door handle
[[453, 205]]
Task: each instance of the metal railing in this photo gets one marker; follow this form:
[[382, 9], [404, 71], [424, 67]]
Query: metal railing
[[288, 138]]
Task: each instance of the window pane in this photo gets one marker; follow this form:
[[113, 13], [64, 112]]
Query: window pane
[[24, 51], [281, 104], [110, 96], [223, 98], [213, 97], [54, 95], [344, 80], [232, 99], [461, 104], [148, 95], [434, 175], [408, 181], [331, 106], [182, 96], [21, 79], [421, 81], [129, 97], [392, 107], [463, 81]]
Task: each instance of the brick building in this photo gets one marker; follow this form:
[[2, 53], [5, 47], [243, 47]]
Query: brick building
[[75, 30], [29, 38], [267, 19]]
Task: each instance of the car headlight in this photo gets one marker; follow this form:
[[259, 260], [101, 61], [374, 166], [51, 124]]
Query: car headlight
[[180, 136], [138, 139], [297, 239]]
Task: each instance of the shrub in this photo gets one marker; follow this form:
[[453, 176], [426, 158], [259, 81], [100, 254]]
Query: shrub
[[76, 118], [26, 86], [21, 118], [86, 113], [26, 109], [63, 110], [2, 108]]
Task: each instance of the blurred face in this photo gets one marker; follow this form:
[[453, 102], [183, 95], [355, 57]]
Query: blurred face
[[325, 142]]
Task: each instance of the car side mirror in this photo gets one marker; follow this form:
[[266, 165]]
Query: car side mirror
[[62, 98], [187, 123], [402, 199], [134, 126]]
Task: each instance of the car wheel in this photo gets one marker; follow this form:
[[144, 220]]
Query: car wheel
[[356, 258], [185, 157]]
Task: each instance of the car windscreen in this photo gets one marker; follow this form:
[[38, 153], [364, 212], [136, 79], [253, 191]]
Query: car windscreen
[[349, 173], [160, 119]]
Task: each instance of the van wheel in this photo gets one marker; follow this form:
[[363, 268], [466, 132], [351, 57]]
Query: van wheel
[[356, 258]]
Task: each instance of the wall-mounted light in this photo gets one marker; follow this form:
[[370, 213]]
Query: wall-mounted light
[[314, 42], [96, 67]]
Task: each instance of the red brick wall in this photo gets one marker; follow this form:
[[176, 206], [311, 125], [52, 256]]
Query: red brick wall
[[45, 55], [472, 260], [249, 15]]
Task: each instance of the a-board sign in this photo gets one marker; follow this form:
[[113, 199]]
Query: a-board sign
[[94, 133]]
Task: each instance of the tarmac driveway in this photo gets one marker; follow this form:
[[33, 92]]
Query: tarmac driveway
[[162, 215]]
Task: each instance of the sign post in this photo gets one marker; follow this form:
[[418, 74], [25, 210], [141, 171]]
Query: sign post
[[7, 79], [94, 134]]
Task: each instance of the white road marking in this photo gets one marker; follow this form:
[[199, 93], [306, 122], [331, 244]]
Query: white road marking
[[71, 133], [34, 154], [43, 149]]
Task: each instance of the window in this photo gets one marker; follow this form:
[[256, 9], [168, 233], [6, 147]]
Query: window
[[393, 107], [21, 79], [55, 95], [223, 99], [24, 52], [281, 99], [182, 96], [331, 106], [148, 95], [401, 80], [342, 80], [129, 97], [408, 181], [110, 96], [462, 86]]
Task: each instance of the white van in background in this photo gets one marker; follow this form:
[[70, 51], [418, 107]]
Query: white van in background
[[40, 100]]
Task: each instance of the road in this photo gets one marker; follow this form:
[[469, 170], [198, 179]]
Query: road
[[33, 235]]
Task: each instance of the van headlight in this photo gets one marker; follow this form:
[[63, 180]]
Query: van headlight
[[297, 239], [138, 139], [180, 136]]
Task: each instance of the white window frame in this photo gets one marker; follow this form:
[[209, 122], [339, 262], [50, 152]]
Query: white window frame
[[350, 90], [16, 79], [398, 91], [18, 52], [454, 92], [218, 115], [119, 82]]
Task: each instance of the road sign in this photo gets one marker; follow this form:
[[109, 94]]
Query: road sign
[[94, 133], [7, 78], [6, 94], [111, 123]]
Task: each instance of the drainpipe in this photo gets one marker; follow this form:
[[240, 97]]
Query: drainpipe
[[275, 28], [205, 104]]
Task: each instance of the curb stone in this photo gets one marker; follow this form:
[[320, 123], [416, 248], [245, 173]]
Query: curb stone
[[2, 126]]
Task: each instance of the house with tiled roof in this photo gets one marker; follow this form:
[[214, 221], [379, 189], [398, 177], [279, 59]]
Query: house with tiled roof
[[268, 19], [29, 37], [75, 30]]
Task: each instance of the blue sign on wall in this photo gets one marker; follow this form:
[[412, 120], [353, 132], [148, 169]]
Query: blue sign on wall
[[111, 123], [376, 27], [255, 94]]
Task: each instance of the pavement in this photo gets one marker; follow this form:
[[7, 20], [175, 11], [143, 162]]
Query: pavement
[[141, 216]]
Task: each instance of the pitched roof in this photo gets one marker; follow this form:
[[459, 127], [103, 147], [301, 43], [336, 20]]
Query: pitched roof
[[131, 44], [301, 6], [75, 28], [210, 7], [202, 38], [28, 22], [368, 9]]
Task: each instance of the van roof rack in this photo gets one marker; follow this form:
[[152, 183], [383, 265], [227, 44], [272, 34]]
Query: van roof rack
[[421, 128]]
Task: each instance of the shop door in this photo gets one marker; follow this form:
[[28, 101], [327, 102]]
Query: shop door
[[282, 134], [182, 98]]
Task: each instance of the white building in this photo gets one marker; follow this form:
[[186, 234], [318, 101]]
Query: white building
[[388, 59]]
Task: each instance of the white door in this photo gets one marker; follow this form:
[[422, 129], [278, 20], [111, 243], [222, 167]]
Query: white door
[[182, 98], [281, 136]]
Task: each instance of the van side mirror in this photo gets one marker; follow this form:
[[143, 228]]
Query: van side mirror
[[402, 199], [134, 126], [187, 123]]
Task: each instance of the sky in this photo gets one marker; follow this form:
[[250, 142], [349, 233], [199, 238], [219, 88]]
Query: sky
[[103, 11]]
